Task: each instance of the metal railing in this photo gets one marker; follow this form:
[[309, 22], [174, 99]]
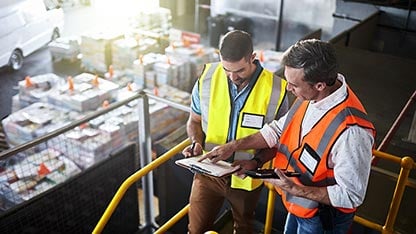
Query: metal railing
[[403, 180], [406, 163]]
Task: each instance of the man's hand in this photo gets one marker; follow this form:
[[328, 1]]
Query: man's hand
[[192, 150], [245, 165], [284, 182], [222, 152]]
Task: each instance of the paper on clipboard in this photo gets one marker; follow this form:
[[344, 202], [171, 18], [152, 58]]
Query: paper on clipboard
[[218, 169]]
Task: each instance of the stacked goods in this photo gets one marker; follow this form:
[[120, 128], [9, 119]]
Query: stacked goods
[[125, 51], [143, 69], [34, 121], [155, 19], [121, 124], [65, 48], [164, 119], [175, 95], [270, 60], [84, 145], [129, 90], [35, 89], [197, 55], [117, 76], [96, 51], [23, 177], [84, 92], [175, 72], [114, 127]]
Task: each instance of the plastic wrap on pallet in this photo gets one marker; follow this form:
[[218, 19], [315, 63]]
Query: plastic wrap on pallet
[[96, 51], [119, 77], [196, 55], [173, 71], [36, 89], [127, 91], [34, 121], [143, 65], [65, 48], [148, 19], [89, 92], [84, 146], [174, 94], [126, 51], [270, 60]]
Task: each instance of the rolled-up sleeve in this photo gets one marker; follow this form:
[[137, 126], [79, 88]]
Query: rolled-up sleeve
[[271, 132]]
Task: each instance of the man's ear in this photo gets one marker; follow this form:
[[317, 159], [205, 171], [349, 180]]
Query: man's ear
[[253, 57], [320, 86]]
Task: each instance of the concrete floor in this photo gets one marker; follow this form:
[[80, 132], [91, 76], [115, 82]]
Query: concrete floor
[[384, 83]]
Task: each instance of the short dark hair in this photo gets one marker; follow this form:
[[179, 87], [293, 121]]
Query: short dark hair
[[236, 45], [316, 57]]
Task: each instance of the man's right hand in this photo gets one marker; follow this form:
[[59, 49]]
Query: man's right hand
[[221, 152], [192, 150]]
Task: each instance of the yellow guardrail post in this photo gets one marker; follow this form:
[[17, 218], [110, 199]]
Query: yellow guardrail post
[[134, 178], [406, 166], [270, 209]]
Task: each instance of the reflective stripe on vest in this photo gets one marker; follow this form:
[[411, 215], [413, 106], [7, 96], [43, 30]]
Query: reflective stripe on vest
[[263, 100], [320, 139]]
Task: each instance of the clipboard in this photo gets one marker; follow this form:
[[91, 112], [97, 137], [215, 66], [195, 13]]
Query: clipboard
[[206, 167]]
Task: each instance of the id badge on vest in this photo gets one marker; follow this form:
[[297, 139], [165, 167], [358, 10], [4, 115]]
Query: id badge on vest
[[252, 121], [309, 158]]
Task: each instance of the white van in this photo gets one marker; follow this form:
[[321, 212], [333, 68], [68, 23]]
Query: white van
[[25, 26]]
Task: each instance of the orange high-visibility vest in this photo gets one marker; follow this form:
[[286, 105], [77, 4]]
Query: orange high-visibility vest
[[318, 144]]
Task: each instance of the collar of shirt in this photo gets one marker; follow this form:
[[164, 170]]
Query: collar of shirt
[[334, 98], [253, 79]]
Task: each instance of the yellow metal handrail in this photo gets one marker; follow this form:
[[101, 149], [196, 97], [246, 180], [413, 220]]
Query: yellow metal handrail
[[134, 178], [173, 220], [406, 163]]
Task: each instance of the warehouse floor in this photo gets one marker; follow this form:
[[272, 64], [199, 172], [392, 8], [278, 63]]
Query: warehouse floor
[[383, 82]]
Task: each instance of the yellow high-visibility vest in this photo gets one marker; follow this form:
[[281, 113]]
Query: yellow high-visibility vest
[[260, 107]]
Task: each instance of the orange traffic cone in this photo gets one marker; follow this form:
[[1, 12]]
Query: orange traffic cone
[[129, 88], [70, 84], [95, 81], [105, 104], [28, 82], [110, 71], [43, 170], [261, 56]]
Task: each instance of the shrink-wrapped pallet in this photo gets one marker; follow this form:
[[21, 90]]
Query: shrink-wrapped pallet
[[34, 121], [84, 92]]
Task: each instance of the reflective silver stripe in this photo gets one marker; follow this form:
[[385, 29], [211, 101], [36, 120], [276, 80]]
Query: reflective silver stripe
[[300, 201], [274, 99], [333, 126], [205, 95]]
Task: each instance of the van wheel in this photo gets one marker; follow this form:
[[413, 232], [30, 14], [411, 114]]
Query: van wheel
[[16, 60]]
